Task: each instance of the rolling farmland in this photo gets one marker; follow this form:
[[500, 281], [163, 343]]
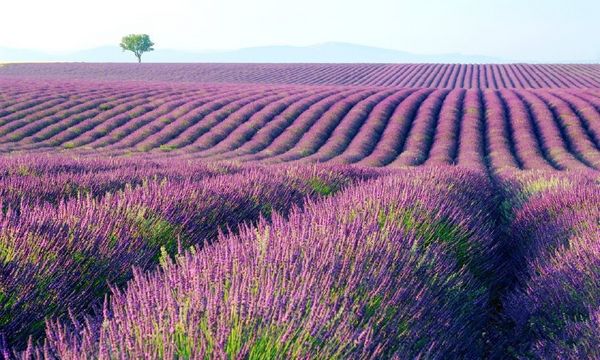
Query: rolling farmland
[[299, 211], [374, 126]]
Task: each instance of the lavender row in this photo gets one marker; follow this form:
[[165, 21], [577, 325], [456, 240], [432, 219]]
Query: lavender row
[[318, 133], [258, 138], [290, 135], [419, 138], [555, 303], [99, 240], [398, 267], [27, 181], [284, 108], [341, 135], [365, 139]]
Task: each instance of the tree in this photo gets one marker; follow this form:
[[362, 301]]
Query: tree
[[138, 44]]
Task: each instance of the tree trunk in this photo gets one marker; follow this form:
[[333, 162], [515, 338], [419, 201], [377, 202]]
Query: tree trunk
[[139, 59]]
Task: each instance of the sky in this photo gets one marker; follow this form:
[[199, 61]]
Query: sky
[[516, 30]]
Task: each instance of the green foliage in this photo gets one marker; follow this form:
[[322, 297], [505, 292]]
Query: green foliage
[[183, 342], [372, 306], [432, 230], [266, 209], [157, 232], [143, 148], [420, 344], [321, 187], [164, 257], [235, 339], [138, 44], [7, 252], [24, 170], [6, 303], [113, 240], [79, 257], [545, 184], [166, 147], [208, 336], [268, 346], [37, 252]]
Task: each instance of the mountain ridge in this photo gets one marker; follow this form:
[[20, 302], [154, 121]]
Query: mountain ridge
[[328, 52]]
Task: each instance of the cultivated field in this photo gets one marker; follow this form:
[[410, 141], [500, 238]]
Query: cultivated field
[[283, 211], [399, 75], [373, 126]]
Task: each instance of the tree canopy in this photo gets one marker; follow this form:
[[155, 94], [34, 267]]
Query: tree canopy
[[138, 44]]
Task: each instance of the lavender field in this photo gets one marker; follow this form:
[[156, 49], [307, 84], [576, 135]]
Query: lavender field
[[294, 211], [450, 76]]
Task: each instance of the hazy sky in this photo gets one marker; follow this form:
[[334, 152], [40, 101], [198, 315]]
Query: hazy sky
[[542, 30]]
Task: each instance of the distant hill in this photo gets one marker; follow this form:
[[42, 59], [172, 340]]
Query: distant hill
[[332, 52]]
